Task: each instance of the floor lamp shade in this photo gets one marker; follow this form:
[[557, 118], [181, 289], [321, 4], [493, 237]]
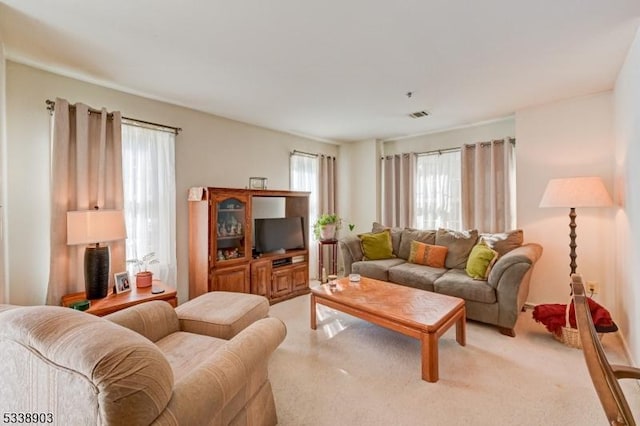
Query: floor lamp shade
[[575, 192], [94, 227]]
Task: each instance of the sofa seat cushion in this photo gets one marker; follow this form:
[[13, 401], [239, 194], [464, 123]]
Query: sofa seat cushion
[[456, 282], [416, 276], [376, 269], [185, 351]]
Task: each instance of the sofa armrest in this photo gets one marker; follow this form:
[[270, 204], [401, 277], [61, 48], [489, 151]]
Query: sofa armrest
[[510, 277], [154, 320], [351, 251], [205, 391]]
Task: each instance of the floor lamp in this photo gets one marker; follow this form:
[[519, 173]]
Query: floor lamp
[[92, 227], [575, 192]]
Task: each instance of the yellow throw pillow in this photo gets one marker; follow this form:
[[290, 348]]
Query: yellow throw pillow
[[376, 245], [427, 254], [480, 261]]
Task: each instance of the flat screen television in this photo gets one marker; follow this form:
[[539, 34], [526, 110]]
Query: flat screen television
[[279, 234]]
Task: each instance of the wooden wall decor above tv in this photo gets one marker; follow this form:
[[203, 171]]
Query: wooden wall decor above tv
[[221, 240]]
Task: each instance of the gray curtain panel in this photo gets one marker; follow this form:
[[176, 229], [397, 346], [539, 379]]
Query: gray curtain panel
[[86, 171], [488, 186], [398, 176]]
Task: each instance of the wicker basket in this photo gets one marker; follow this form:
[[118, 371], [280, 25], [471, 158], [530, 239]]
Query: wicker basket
[[570, 336]]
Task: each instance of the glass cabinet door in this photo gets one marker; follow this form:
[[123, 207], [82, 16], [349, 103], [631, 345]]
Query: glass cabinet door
[[231, 224]]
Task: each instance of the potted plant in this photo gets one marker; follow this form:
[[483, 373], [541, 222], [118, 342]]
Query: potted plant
[[326, 226], [144, 277]]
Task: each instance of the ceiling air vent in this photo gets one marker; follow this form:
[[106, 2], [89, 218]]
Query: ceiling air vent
[[419, 114]]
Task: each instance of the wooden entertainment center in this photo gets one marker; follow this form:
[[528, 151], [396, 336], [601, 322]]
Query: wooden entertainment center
[[221, 240]]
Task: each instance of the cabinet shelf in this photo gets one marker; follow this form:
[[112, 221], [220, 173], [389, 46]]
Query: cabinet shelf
[[231, 210], [230, 237]]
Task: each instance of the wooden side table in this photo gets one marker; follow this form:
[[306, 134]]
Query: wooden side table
[[115, 302], [333, 248]]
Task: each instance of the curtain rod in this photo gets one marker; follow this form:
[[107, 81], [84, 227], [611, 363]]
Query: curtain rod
[[512, 141], [420, 154], [51, 106], [308, 154]]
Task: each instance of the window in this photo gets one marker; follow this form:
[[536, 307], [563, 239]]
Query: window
[[304, 177], [148, 171], [437, 191]]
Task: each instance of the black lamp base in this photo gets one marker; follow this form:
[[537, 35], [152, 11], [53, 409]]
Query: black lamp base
[[96, 272]]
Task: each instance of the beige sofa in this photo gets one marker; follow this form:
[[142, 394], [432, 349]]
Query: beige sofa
[[87, 370], [497, 300]]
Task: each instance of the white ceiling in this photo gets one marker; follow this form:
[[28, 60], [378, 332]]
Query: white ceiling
[[334, 70]]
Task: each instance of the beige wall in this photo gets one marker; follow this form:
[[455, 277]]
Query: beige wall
[[564, 139], [627, 182], [210, 151], [358, 186], [4, 288], [454, 138]]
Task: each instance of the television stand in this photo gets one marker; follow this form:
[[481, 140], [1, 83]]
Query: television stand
[[221, 240], [281, 262]]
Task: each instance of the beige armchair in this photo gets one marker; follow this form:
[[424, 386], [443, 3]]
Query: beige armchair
[[88, 370]]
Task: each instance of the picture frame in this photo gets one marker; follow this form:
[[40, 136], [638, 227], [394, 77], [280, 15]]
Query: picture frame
[[257, 182], [123, 283]]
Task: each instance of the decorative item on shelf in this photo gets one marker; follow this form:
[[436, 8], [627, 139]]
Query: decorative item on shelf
[[122, 282], [326, 226], [257, 183], [575, 192], [94, 227], [144, 277]]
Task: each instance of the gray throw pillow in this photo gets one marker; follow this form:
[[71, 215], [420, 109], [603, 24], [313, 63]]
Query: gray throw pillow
[[504, 242], [410, 234], [395, 235], [459, 244]]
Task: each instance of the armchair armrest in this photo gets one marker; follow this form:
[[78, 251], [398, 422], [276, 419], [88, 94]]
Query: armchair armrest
[[154, 320], [351, 251], [223, 375]]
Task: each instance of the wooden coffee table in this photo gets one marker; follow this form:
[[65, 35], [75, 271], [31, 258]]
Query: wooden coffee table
[[420, 314]]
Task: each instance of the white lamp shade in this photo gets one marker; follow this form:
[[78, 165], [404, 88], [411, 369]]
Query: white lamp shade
[[95, 226], [576, 192]]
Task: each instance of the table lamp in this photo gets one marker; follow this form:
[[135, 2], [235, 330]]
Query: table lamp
[[575, 192], [93, 227]]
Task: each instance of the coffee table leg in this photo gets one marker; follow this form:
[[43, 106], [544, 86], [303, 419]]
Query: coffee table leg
[[313, 312], [429, 343], [461, 329]]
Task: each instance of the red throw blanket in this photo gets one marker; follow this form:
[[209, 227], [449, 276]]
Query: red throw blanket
[[553, 317]]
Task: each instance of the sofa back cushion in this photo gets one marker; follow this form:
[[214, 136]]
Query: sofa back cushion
[[504, 242], [427, 254], [396, 234], [459, 244], [409, 235]]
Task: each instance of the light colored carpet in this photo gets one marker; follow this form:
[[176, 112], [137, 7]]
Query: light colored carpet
[[350, 372]]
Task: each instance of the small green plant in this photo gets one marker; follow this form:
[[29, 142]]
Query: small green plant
[[351, 226], [143, 263], [326, 219]]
